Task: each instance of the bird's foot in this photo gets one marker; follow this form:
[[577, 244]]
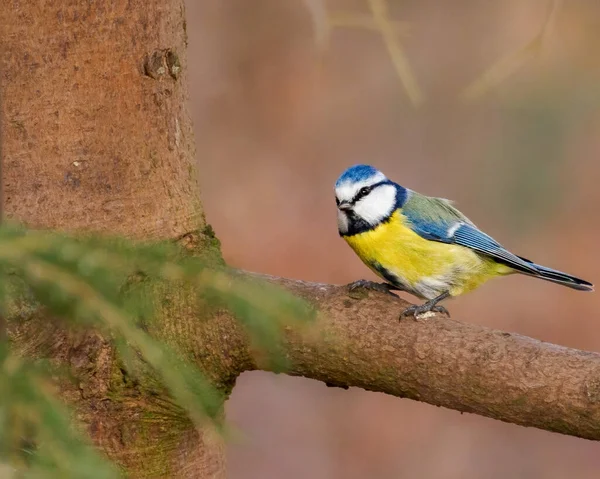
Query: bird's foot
[[424, 311], [371, 285], [427, 309]]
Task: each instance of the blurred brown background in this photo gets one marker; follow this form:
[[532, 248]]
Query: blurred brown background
[[279, 114]]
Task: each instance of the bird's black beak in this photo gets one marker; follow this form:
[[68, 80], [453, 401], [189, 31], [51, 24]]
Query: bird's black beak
[[345, 206]]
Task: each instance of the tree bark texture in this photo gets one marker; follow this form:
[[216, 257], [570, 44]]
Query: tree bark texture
[[359, 341], [97, 133], [97, 137]]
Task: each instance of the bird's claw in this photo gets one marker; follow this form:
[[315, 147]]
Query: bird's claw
[[371, 285], [422, 310]]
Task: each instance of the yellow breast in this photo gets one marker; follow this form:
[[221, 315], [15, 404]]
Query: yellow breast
[[423, 267]]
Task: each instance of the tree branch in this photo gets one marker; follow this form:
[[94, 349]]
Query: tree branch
[[358, 341]]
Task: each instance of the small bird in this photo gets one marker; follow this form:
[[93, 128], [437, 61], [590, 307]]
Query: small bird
[[421, 244]]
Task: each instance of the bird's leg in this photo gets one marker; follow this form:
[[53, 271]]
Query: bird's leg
[[429, 306], [373, 286]]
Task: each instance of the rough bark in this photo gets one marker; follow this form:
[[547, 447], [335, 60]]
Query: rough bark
[[97, 137], [358, 341]]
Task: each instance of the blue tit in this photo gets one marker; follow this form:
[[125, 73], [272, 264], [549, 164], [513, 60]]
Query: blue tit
[[423, 245]]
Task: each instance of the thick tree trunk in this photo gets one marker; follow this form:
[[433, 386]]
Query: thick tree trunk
[[97, 137], [97, 134]]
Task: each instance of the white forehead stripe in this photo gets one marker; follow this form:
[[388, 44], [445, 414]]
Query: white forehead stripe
[[348, 189]]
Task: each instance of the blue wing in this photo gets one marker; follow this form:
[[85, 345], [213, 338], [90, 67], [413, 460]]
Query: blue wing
[[436, 219]]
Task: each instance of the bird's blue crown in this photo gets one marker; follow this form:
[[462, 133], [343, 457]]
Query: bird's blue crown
[[357, 173]]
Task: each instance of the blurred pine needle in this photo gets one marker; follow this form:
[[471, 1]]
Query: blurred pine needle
[[37, 439], [84, 280]]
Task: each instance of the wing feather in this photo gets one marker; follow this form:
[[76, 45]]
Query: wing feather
[[436, 219]]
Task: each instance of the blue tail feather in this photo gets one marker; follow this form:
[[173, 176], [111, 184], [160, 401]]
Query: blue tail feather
[[559, 277]]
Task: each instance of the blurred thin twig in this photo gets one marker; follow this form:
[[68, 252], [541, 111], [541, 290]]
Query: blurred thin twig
[[359, 20], [379, 21], [550, 22], [509, 64], [385, 24], [320, 22]]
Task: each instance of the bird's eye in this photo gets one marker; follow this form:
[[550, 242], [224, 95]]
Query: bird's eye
[[365, 190], [337, 201]]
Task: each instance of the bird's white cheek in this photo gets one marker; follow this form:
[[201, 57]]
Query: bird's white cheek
[[377, 205], [371, 211], [342, 221]]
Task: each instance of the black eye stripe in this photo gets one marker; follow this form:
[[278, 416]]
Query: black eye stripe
[[364, 191]]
